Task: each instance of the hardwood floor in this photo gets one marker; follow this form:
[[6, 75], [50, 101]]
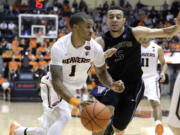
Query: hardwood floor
[[27, 113]]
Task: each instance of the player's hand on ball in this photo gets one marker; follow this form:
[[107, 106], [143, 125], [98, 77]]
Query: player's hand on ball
[[84, 103], [118, 86]]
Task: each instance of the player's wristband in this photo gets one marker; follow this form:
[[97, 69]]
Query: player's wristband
[[74, 101]]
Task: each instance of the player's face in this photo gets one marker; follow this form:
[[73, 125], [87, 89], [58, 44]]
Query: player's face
[[144, 41], [115, 20], [86, 29]]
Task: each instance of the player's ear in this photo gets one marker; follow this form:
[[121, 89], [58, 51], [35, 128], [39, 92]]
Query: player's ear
[[124, 20], [75, 26]]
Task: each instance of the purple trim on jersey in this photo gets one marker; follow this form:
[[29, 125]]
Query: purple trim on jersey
[[157, 89], [99, 90]]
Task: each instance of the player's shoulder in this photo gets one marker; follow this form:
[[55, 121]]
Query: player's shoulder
[[154, 44], [95, 46], [61, 43]]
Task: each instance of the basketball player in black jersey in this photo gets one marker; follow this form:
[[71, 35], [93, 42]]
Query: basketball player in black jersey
[[125, 65]]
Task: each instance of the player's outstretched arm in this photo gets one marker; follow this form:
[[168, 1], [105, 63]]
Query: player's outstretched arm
[[106, 79], [168, 32]]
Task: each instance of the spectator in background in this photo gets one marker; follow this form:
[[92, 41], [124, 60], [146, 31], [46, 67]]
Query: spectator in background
[[5, 45], [165, 5], [11, 27], [13, 69], [6, 90], [62, 22], [83, 6], [113, 3], [121, 3], [169, 16], [33, 64], [3, 27], [74, 6], [105, 6], [52, 32], [17, 55], [2, 79], [6, 7]]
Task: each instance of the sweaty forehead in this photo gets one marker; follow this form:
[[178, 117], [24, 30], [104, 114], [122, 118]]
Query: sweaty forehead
[[115, 12]]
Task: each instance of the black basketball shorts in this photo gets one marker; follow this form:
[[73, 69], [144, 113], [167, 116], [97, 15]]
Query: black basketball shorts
[[125, 103]]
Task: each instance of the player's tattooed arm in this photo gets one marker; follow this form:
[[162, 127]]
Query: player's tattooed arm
[[105, 78], [57, 82]]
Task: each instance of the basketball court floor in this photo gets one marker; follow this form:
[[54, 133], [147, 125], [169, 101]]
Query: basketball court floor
[[27, 113]]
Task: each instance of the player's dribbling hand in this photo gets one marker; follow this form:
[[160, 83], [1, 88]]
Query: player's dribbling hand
[[118, 86], [109, 52], [84, 103], [162, 77]]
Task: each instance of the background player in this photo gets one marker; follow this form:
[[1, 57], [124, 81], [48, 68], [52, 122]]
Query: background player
[[150, 56], [174, 112], [125, 65]]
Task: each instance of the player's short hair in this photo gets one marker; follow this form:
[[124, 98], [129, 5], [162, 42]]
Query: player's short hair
[[79, 18], [117, 8]]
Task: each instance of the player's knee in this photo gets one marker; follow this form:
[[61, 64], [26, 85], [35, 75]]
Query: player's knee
[[154, 104], [65, 116], [40, 131]]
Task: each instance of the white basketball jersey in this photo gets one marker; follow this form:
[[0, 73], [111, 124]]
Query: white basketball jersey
[[76, 61], [149, 59]]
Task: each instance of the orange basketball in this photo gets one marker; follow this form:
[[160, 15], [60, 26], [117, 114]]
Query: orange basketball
[[95, 116]]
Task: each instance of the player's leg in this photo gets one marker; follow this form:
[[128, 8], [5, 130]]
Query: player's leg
[[62, 118], [124, 112], [157, 113], [152, 92], [17, 129]]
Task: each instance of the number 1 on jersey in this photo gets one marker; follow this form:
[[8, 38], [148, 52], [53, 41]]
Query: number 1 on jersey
[[73, 70]]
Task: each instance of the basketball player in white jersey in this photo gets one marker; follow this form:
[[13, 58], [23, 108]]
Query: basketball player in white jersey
[[71, 58], [174, 112], [150, 56]]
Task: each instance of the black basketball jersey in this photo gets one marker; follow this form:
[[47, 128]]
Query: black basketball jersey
[[125, 64]]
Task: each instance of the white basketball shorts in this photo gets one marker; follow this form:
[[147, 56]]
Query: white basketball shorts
[[152, 90]]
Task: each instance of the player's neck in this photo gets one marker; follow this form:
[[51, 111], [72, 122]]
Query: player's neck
[[116, 34], [76, 42]]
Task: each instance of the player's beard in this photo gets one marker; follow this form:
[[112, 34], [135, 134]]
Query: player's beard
[[114, 31], [118, 30]]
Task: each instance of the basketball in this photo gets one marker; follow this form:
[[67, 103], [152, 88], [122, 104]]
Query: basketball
[[95, 116]]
